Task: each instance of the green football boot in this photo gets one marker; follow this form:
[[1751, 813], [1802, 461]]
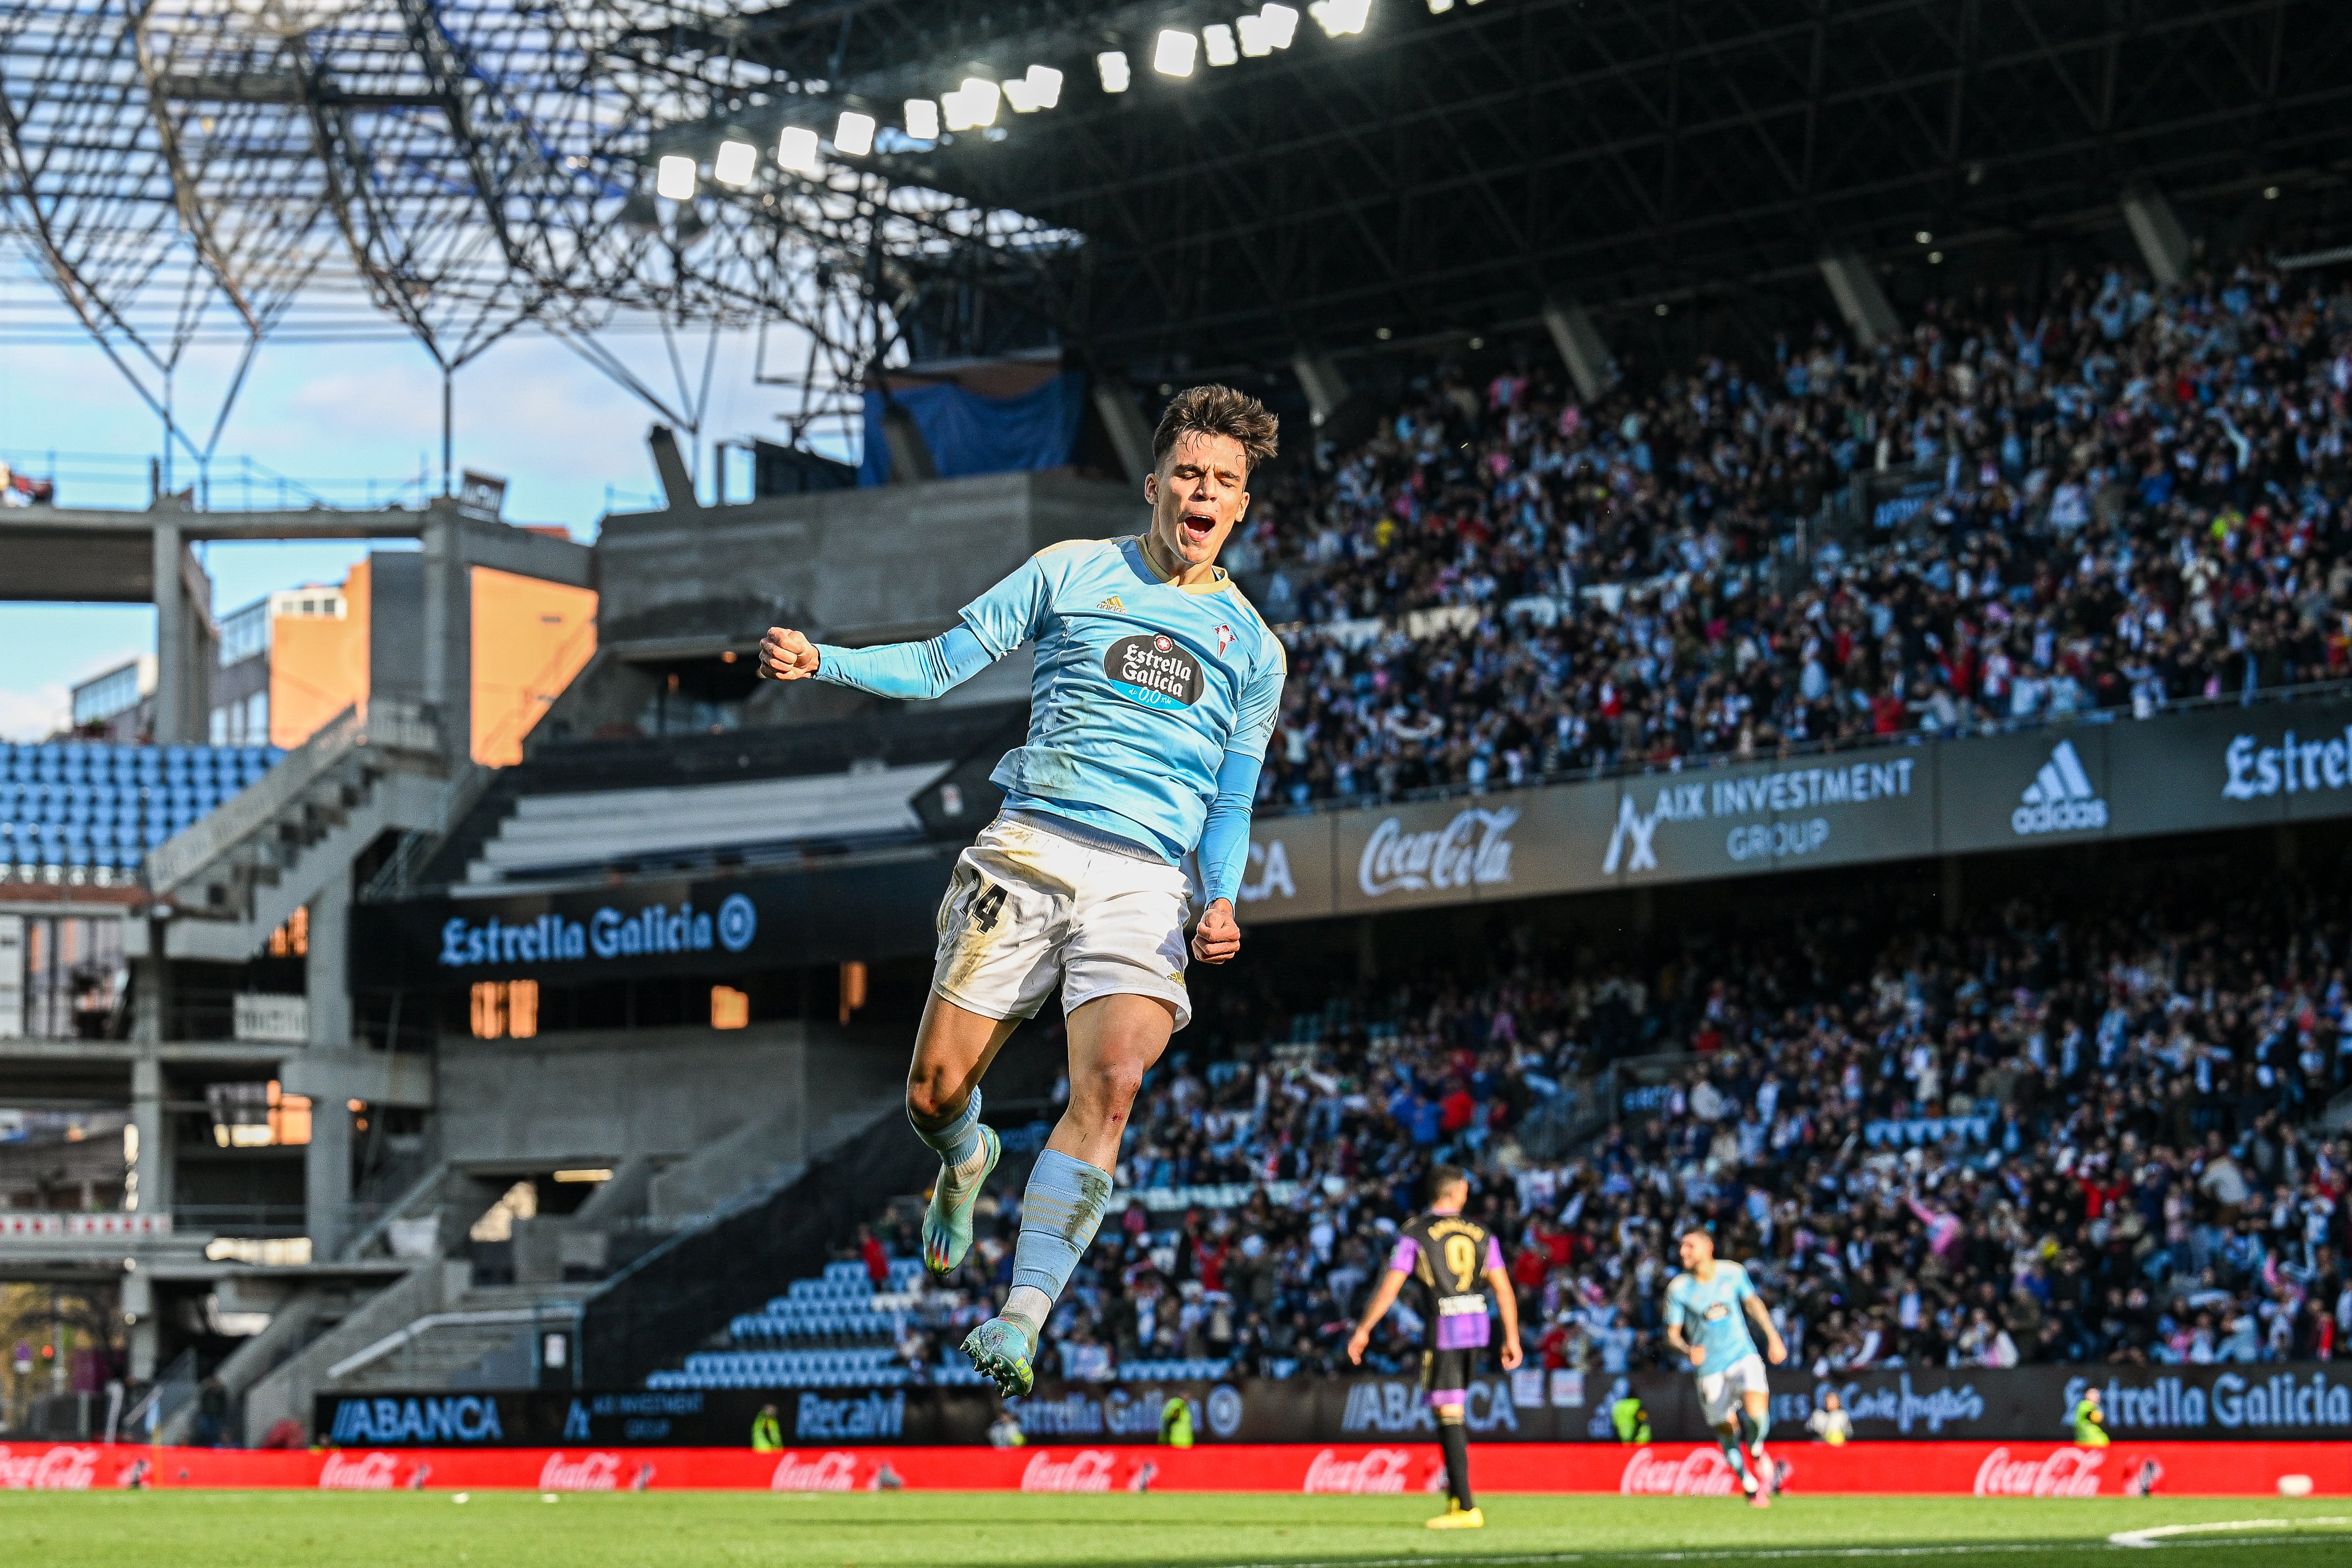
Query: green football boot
[[1000, 1352], [947, 1227]]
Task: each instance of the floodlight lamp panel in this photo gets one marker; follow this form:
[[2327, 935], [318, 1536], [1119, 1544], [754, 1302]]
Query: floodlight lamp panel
[[673, 177], [982, 97], [1281, 23], [1045, 86], [1439, 7], [1017, 94], [796, 150], [1111, 67], [735, 163], [922, 119], [1173, 54], [853, 135], [1252, 32], [1217, 43]]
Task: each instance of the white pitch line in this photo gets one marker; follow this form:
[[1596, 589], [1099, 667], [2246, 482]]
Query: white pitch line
[[2156, 1533], [1768, 1553]]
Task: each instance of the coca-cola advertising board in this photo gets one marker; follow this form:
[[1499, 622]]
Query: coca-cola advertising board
[[1657, 1469]]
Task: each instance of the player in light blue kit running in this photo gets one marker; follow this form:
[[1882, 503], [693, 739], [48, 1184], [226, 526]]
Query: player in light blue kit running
[[1156, 688], [1708, 1307]]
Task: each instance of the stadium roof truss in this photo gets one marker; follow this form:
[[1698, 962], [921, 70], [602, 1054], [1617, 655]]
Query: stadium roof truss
[[188, 166], [194, 167], [1448, 171]]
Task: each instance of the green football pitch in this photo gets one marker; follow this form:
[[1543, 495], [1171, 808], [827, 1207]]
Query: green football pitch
[[989, 1530]]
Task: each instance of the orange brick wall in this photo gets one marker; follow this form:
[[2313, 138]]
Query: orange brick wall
[[530, 639], [317, 667]]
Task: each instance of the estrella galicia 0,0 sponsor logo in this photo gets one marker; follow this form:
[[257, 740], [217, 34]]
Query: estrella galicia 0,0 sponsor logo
[[1154, 669]]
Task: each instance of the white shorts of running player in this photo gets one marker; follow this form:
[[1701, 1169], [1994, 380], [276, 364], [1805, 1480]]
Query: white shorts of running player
[[1719, 1392], [1028, 910]]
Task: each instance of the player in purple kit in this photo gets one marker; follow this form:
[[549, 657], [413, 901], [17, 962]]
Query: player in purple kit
[[1453, 1261]]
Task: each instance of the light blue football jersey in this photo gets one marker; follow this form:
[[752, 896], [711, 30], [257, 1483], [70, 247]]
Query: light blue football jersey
[[1713, 1315], [1140, 688]]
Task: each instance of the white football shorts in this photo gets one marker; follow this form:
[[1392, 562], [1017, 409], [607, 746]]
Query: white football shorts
[[1029, 909], [1719, 1392]]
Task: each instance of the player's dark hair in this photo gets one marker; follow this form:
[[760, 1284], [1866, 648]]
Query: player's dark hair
[[1215, 411], [1444, 1176]]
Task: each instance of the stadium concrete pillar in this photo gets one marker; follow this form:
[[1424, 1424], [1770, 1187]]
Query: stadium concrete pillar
[[183, 642], [146, 1334], [2157, 230], [449, 631], [1130, 433], [1860, 300], [327, 968], [1581, 347], [1327, 389], [327, 1176], [150, 1167], [911, 455]]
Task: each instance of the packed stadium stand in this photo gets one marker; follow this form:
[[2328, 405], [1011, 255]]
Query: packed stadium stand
[[2085, 1130], [2111, 498], [94, 810]]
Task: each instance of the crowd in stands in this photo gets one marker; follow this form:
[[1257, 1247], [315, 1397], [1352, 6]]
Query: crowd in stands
[[2051, 1137], [2113, 498]]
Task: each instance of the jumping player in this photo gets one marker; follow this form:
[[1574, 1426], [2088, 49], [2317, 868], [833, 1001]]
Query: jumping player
[[1708, 1307], [1156, 688], [1453, 1261]]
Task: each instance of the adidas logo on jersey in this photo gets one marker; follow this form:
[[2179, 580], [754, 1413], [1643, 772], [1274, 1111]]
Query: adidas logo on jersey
[[1113, 602], [2061, 799]]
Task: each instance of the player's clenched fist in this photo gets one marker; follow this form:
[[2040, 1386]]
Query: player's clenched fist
[[786, 656], [1217, 937]]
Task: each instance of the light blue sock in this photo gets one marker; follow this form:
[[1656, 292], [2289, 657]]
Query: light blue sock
[[1729, 1444], [1059, 1214], [959, 1142]]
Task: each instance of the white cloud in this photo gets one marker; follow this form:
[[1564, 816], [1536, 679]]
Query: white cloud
[[34, 715]]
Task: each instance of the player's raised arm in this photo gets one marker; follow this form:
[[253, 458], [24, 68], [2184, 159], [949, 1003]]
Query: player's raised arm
[[993, 625]]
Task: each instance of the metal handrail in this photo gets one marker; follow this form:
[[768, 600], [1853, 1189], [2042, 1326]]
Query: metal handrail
[[489, 1317]]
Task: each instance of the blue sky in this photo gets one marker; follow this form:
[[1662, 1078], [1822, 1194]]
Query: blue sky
[[564, 435]]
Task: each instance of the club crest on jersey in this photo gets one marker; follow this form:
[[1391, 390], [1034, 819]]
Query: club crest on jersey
[[1224, 640], [1153, 671]]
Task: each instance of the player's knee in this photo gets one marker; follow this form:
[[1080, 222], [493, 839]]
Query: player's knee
[[928, 1098], [1113, 1085]]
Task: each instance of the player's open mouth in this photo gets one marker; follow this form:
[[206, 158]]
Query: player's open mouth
[[1199, 526]]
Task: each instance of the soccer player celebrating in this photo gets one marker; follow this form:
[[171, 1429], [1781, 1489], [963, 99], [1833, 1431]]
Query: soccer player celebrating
[[1452, 1259], [1156, 688], [1708, 1307]]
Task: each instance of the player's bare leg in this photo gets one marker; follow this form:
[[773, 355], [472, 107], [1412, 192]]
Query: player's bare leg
[[1755, 1422], [1726, 1437], [953, 1049], [1114, 1040]]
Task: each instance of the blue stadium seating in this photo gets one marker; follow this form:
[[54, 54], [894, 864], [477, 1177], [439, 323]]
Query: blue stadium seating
[[89, 809], [833, 1331]]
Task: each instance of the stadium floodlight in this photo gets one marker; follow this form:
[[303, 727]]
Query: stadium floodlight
[[673, 178], [1173, 54], [922, 119], [1281, 23], [853, 134], [1217, 43], [1111, 65], [735, 163], [1339, 18], [1041, 88], [1252, 31], [1439, 7], [796, 151], [973, 105]]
